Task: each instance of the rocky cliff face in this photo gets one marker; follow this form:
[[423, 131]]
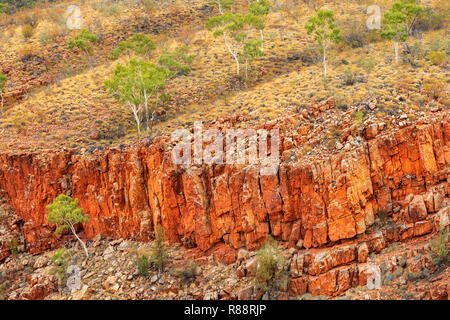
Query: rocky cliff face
[[311, 202]]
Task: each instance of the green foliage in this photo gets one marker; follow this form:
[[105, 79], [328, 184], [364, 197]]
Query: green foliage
[[437, 57], [83, 41], [325, 32], [349, 77], [65, 213], [433, 87], [252, 49], [235, 30], [160, 255], [61, 260], [368, 65], [439, 248], [271, 272], [139, 44], [400, 19], [177, 61], [143, 265]]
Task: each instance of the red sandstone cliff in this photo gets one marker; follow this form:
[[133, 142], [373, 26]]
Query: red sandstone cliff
[[319, 201]]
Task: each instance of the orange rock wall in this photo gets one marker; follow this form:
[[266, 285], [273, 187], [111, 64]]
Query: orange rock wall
[[127, 192]]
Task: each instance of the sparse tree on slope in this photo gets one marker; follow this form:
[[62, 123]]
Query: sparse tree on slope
[[66, 213], [399, 22], [325, 32]]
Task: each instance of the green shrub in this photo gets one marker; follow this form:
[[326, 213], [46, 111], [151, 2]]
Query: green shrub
[[27, 31], [189, 272], [310, 55], [61, 260], [178, 61], [349, 77], [358, 117], [439, 248], [143, 265], [4, 8], [271, 272], [160, 254]]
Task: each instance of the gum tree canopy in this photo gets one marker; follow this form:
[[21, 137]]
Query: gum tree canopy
[[65, 213]]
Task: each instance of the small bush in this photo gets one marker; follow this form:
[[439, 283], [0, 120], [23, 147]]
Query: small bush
[[142, 265], [30, 20], [439, 248], [349, 77], [432, 19], [271, 272], [189, 272], [44, 38], [433, 87], [358, 117], [159, 256], [61, 261], [83, 41]]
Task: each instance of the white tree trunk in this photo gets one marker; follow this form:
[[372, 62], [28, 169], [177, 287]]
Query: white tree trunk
[[1, 95]]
